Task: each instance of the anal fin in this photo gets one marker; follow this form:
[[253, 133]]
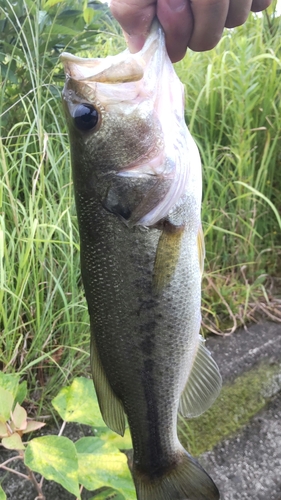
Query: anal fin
[[203, 384], [110, 406]]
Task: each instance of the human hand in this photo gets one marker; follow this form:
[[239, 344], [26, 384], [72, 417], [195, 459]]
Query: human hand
[[197, 24]]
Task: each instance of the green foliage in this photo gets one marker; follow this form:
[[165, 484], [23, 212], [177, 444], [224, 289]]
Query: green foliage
[[107, 494], [233, 111], [11, 384], [32, 34], [77, 403], [2, 494], [57, 458], [6, 404], [109, 466], [40, 301]]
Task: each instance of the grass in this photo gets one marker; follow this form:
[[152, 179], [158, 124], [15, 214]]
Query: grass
[[233, 110], [43, 314], [44, 320]]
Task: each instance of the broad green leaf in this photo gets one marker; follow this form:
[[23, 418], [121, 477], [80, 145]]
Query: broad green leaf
[[58, 29], [10, 382], [50, 3], [2, 494], [78, 403], [108, 494], [68, 13], [3, 430], [96, 445], [106, 469], [55, 458], [6, 404], [21, 393], [13, 442], [113, 439], [88, 15], [90, 444]]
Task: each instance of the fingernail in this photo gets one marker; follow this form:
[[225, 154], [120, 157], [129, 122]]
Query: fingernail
[[135, 42], [177, 5]]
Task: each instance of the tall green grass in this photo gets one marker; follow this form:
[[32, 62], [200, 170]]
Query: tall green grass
[[43, 315], [233, 110]]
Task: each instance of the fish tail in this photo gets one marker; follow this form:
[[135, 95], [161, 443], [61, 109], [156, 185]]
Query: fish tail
[[187, 480]]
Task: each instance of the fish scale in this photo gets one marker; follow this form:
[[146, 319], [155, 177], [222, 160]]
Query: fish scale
[[137, 187]]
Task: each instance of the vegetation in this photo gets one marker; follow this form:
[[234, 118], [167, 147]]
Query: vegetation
[[57, 458], [233, 111]]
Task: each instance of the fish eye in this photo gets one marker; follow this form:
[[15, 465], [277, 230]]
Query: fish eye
[[85, 116]]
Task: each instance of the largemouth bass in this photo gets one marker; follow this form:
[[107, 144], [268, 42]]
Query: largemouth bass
[[137, 183]]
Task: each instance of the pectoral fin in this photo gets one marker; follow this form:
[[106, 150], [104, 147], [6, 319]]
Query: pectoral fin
[[201, 248], [203, 384], [110, 406], [167, 255]]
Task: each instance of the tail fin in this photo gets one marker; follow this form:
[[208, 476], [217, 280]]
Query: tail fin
[[186, 481]]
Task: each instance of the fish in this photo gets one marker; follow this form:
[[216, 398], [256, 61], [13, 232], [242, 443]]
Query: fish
[[137, 185]]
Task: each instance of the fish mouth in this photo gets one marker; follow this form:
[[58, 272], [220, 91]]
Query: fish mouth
[[146, 166], [122, 68], [102, 70]]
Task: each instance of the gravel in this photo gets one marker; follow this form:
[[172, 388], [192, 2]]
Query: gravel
[[248, 466]]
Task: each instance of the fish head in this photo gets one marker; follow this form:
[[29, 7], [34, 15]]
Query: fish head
[[125, 116]]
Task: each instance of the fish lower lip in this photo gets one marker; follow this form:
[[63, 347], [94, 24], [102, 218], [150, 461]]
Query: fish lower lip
[[153, 167]]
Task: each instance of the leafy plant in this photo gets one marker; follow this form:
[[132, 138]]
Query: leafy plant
[[232, 110], [32, 35], [93, 462]]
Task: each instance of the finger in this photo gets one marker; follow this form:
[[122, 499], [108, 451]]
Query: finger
[[238, 12], [176, 19], [209, 21], [135, 18], [258, 5]]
